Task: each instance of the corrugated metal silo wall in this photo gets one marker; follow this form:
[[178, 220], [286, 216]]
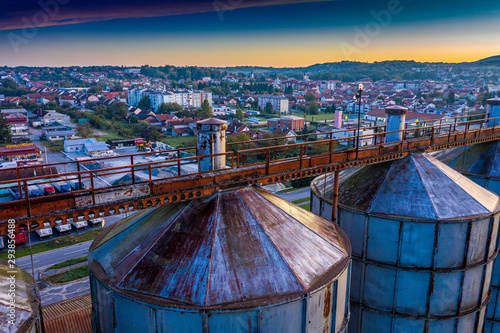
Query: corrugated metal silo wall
[[325, 310], [492, 321], [410, 276]]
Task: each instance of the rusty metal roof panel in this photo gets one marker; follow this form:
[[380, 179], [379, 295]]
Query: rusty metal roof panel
[[403, 192], [307, 254], [248, 269], [236, 246], [418, 186], [71, 315]]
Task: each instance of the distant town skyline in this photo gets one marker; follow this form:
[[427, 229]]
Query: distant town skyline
[[222, 33]]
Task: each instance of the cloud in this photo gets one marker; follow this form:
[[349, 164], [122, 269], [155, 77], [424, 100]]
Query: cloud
[[17, 14]]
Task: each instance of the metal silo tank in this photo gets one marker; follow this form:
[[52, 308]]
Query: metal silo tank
[[423, 239], [243, 260], [481, 164]]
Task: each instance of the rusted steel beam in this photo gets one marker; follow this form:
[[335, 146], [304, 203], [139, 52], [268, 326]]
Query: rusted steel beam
[[84, 203], [335, 196]]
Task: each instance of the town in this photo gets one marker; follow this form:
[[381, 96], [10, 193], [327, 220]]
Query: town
[[115, 106], [56, 123]]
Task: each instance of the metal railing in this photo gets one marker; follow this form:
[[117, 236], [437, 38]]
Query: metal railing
[[297, 155]]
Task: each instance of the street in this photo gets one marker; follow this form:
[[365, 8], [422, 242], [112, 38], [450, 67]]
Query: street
[[42, 261], [296, 195]]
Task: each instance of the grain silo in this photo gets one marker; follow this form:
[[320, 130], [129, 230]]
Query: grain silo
[[423, 240], [481, 163], [242, 260], [19, 305]]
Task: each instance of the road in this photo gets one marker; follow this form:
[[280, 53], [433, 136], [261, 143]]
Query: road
[[42, 261], [296, 195], [45, 259]]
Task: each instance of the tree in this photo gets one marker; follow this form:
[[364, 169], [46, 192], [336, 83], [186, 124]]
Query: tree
[[134, 119], [398, 101], [95, 89], [313, 108], [451, 97], [144, 103], [305, 130], [309, 97], [289, 90], [169, 107], [269, 108], [206, 110], [84, 130], [5, 135], [118, 110], [239, 114]]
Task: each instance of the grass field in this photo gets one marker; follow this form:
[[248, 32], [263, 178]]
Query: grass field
[[71, 275], [299, 201], [317, 117], [55, 243], [307, 206], [69, 262], [177, 141]]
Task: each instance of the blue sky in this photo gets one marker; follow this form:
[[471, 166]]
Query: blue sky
[[267, 33]]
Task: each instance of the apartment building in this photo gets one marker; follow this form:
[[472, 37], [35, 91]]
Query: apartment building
[[279, 103]]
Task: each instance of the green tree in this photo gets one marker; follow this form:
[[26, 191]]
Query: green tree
[[5, 135], [206, 110], [309, 97], [144, 103], [169, 107], [451, 97], [269, 108], [95, 89], [289, 90], [313, 108], [134, 119], [118, 110], [239, 114], [84, 130]]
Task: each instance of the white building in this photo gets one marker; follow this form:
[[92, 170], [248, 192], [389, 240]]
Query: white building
[[185, 98], [279, 103], [89, 147], [53, 116]]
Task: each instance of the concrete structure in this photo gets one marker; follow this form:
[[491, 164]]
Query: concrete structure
[[423, 238], [53, 116], [279, 103], [89, 147], [61, 135], [19, 152], [396, 116], [340, 133], [242, 260], [185, 98], [18, 122], [211, 140], [293, 123], [493, 110], [338, 118]]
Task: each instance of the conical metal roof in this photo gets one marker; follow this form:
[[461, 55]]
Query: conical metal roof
[[480, 159], [418, 186], [242, 246]]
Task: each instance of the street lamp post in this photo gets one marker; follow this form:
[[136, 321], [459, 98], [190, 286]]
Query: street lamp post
[[358, 97]]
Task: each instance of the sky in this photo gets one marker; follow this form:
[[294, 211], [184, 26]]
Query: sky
[[220, 33]]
